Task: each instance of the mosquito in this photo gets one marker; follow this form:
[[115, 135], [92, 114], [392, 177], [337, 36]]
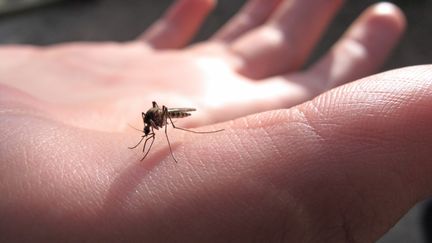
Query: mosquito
[[156, 118]]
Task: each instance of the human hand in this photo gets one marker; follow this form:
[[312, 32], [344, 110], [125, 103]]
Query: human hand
[[293, 174]]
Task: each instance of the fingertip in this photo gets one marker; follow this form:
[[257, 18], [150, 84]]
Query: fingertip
[[390, 11], [378, 30], [387, 17], [364, 47]]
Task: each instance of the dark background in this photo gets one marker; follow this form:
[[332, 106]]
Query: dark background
[[114, 20]]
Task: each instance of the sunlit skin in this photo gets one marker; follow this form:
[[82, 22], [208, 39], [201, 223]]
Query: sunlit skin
[[295, 163]]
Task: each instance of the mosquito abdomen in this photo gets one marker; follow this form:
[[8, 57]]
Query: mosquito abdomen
[[178, 114]]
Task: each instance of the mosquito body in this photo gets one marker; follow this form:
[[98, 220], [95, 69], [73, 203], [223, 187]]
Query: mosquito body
[[156, 118]]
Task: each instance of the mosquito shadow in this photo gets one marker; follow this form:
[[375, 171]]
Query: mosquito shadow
[[130, 178]]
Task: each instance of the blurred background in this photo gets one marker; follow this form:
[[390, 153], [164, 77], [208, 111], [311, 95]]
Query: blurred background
[[44, 22]]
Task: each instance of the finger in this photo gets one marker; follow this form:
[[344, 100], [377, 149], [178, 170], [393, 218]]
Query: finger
[[376, 156], [363, 49], [179, 24], [355, 159], [284, 43], [253, 14]]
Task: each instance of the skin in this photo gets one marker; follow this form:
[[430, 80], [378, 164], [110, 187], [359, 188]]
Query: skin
[[306, 155]]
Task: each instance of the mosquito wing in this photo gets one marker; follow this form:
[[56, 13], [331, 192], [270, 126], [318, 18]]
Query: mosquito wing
[[181, 110]]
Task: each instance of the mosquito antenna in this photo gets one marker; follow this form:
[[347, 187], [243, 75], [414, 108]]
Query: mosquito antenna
[[134, 128], [187, 130]]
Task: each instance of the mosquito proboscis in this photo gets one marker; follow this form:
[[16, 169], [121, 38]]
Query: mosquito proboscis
[[156, 118]]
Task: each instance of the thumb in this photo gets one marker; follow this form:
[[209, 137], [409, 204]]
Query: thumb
[[358, 157]]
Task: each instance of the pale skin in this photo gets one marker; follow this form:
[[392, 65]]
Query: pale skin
[[295, 163]]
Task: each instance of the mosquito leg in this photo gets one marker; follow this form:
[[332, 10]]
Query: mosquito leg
[[151, 135], [172, 123], [151, 144], [169, 144], [165, 115], [187, 130], [142, 138]]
